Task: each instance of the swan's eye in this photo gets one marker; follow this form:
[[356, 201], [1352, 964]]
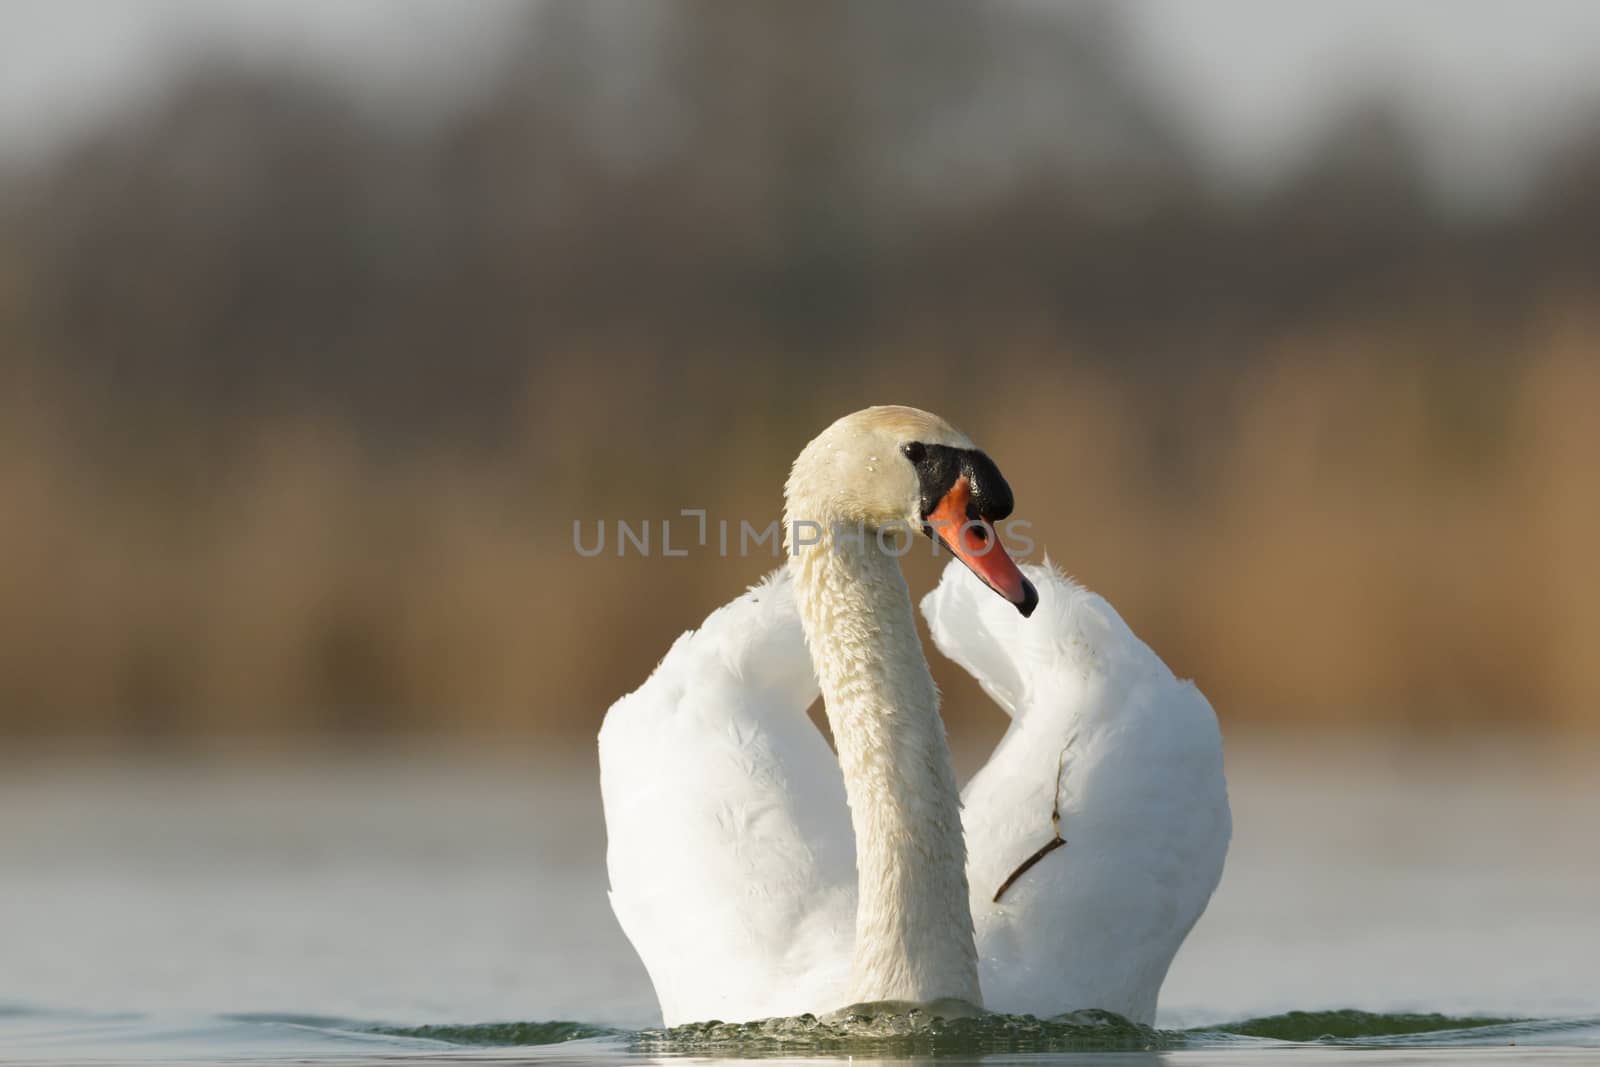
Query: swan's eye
[[915, 451]]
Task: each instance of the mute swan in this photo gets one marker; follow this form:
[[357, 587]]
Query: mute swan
[[758, 875]]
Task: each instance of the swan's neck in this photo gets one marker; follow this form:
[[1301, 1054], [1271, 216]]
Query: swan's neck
[[914, 936]]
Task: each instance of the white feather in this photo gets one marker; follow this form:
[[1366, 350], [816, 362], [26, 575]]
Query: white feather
[[728, 841], [736, 836], [730, 849], [1143, 802]]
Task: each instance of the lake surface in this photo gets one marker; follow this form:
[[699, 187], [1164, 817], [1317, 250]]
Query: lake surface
[[393, 907]]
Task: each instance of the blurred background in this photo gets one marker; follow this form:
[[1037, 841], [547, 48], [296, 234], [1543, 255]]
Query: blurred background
[[321, 324], [319, 329]]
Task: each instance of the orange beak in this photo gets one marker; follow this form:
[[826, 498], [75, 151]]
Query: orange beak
[[975, 543]]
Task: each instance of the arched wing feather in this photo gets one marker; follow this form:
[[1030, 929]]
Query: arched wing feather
[[728, 838], [1130, 756]]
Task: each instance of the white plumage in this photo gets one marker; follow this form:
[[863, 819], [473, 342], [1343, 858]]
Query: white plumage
[[733, 852], [1143, 803], [730, 853], [728, 840]]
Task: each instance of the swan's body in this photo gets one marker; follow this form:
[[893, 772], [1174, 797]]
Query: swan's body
[[759, 875]]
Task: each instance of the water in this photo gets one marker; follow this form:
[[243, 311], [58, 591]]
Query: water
[[1381, 905]]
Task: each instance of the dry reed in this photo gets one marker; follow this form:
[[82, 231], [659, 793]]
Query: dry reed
[[1351, 551]]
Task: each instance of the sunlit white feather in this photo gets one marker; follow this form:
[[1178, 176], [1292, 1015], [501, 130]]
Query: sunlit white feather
[[730, 849]]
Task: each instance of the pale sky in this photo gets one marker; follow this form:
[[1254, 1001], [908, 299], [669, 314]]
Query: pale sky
[[1490, 80]]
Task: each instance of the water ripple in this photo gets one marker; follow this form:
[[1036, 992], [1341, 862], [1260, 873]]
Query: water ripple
[[955, 1029]]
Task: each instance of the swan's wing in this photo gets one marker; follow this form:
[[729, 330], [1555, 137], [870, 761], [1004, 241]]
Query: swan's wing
[[729, 845], [1144, 808]]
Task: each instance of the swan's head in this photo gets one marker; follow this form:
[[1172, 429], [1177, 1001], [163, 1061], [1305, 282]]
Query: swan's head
[[897, 467]]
